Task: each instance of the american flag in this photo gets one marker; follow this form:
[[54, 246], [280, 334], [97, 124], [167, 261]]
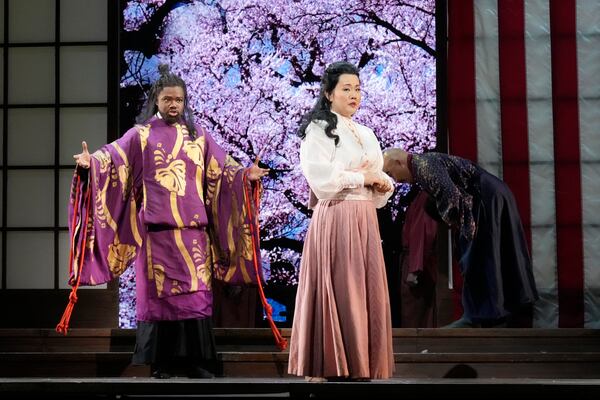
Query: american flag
[[524, 102]]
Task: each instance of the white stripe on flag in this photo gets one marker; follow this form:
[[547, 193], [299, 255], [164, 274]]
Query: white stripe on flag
[[489, 145], [541, 156]]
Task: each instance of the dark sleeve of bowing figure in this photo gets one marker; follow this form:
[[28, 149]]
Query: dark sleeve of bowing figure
[[447, 180]]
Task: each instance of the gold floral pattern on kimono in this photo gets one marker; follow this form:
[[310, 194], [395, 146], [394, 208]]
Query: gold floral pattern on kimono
[[103, 158], [243, 246], [231, 169], [240, 249], [119, 257], [202, 261], [144, 131], [126, 180], [195, 150], [159, 277], [246, 238], [171, 177], [213, 175], [101, 209], [91, 240], [175, 288]]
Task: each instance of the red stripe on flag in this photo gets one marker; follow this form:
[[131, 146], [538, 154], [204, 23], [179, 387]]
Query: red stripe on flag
[[569, 235], [513, 105], [462, 110]]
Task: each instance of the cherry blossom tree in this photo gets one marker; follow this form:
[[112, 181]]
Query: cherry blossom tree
[[253, 69]]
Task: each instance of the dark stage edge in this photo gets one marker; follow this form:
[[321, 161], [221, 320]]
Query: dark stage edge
[[296, 388]]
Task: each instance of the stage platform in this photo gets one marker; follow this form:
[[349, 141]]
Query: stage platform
[[470, 363], [296, 388]]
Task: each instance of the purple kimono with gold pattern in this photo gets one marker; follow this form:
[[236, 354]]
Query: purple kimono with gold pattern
[[174, 207]]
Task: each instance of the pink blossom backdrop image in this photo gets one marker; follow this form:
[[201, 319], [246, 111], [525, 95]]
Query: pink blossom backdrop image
[[253, 69]]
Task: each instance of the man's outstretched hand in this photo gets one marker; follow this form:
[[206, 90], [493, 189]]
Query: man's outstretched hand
[[83, 159], [255, 172]]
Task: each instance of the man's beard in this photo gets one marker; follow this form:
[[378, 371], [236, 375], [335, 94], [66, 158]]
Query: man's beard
[[170, 119]]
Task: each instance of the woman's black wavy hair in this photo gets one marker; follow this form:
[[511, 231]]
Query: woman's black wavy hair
[[322, 108]]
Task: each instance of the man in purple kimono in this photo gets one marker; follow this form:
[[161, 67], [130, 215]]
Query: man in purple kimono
[[167, 198]]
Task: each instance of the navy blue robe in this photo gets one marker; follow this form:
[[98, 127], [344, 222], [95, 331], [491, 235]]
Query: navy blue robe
[[488, 234]]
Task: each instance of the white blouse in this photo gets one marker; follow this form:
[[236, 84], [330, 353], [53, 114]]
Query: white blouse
[[335, 172]]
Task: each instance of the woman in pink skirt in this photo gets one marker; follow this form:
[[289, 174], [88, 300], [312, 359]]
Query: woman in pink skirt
[[342, 324]]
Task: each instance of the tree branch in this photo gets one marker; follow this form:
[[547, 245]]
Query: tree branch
[[282, 242], [296, 203], [372, 18]]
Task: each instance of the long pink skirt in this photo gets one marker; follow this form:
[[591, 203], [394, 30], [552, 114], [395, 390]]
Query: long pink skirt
[[342, 324]]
